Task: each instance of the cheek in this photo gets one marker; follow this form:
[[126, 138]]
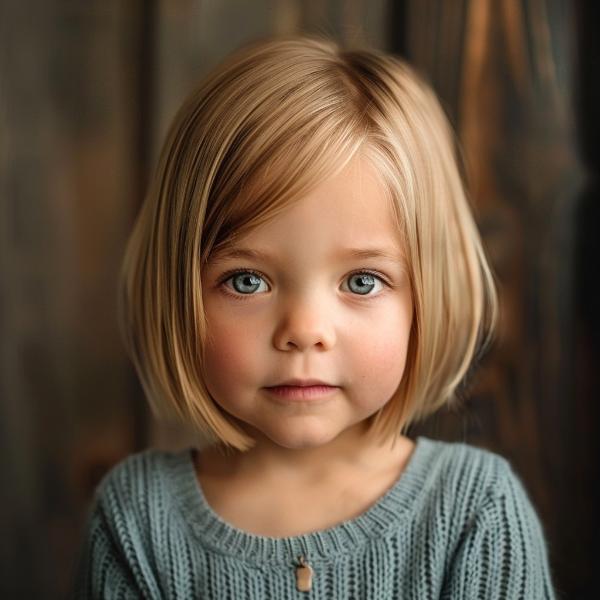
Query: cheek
[[382, 359], [231, 357], [393, 357], [379, 354]]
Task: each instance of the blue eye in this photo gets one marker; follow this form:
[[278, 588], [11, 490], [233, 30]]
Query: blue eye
[[366, 282], [247, 282]]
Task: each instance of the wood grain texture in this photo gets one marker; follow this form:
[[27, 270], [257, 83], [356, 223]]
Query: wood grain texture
[[504, 72], [67, 109]]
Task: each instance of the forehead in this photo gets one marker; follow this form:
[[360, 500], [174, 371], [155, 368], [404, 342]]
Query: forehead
[[387, 253], [349, 213]]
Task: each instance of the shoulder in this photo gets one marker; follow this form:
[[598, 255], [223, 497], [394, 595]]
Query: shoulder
[[135, 470], [464, 478], [138, 486], [459, 466], [496, 540], [132, 507]]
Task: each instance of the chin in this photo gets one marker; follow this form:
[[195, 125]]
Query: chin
[[302, 438]]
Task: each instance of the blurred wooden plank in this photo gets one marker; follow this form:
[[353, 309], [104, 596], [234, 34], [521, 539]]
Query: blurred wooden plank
[[511, 101], [68, 197]]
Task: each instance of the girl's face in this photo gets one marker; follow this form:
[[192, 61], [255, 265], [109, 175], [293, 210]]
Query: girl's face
[[306, 311]]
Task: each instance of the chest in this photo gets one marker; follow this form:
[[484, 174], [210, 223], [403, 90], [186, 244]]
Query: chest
[[272, 507], [284, 512]]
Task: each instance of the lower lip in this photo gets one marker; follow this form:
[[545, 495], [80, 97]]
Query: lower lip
[[294, 392]]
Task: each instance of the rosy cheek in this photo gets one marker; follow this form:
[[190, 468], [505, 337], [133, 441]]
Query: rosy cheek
[[388, 354], [228, 350], [232, 355]]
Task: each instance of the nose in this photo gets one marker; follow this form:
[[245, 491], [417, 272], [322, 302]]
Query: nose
[[304, 324]]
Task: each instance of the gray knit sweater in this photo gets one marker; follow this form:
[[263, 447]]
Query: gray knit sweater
[[457, 523]]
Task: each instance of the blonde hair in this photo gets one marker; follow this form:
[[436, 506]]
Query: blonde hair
[[273, 120]]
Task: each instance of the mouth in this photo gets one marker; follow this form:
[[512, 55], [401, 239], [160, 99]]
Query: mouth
[[302, 392], [303, 383]]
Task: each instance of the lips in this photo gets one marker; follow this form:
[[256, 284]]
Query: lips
[[302, 383], [312, 393]]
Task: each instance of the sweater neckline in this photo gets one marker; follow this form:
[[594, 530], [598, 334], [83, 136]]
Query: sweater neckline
[[393, 508]]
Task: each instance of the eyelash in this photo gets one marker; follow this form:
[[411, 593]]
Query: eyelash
[[229, 274]]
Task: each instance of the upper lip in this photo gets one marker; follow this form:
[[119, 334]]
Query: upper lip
[[302, 382]]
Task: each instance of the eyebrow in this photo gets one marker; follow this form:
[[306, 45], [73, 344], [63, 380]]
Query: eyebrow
[[259, 255]]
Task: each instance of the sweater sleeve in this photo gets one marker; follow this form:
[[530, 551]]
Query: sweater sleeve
[[101, 572], [503, 554]]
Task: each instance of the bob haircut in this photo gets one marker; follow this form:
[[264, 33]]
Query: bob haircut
[[277, 117]]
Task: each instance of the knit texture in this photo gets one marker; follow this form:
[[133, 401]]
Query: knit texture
[[456, 524]]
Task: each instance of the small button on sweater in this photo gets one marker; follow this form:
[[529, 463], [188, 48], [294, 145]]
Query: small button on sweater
[[457, 523]]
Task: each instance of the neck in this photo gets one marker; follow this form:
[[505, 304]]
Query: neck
[[351, 453]]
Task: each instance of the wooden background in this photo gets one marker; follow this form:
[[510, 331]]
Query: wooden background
[[87, 91]]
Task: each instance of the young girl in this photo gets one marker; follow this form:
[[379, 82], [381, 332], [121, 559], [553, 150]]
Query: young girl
[[304, 281]]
